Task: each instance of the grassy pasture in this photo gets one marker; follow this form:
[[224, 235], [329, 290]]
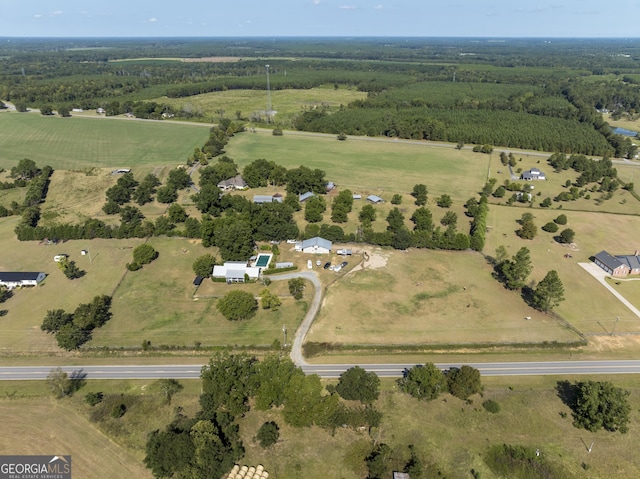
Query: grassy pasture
[[370, 167], [425, 297], [70, 143], [587, 303], [288, 103]]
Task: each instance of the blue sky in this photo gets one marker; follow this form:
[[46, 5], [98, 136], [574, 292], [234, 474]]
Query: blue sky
[[423, 18]]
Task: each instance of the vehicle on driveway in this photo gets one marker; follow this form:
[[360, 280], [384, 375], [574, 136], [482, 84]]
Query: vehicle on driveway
[[327, 264], [344, 264]]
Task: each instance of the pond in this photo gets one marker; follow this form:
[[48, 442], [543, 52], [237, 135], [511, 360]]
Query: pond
[[624, 132]]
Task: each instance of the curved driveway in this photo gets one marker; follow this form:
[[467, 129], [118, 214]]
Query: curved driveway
[[303, 329]]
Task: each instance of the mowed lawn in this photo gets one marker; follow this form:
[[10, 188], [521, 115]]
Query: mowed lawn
[[588, 306], [43, 427], [370, 166], [70, 143], [429, 297]]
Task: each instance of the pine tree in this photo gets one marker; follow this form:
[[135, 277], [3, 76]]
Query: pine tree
[[549, 293]]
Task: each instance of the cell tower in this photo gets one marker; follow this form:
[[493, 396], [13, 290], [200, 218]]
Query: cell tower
[[269, 112]]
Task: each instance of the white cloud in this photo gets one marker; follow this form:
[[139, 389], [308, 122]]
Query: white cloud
[[152, 20], [347, 7], [56, 13], [377, 7], [37, 15], [316, 2]]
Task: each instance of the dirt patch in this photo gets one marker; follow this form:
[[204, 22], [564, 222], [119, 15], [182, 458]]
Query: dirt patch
[[612, 343], [375, 260]]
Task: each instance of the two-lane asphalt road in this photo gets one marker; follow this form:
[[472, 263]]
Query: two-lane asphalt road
[[560, 368]]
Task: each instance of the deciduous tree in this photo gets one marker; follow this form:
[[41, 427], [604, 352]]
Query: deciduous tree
[[356, 384], [464, 381], [237, 305], [423, 382]]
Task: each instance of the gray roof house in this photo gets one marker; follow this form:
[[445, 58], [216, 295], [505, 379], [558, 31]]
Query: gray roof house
[[234, 271], [14, 279], [375, 199], [533, 174], [315, 245], [618, 265], [234, 183]]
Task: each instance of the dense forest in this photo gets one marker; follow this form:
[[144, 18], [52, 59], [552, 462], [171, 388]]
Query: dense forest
[[535, 94]]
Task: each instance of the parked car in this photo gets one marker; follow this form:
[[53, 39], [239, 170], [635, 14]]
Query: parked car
[[327, 264], [344, 264]]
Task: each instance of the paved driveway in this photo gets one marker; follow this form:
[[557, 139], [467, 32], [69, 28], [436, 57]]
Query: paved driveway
[[599, 274]]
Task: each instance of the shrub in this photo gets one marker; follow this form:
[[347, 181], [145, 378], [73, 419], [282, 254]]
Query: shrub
[[561, 220], [118, 410], [133, 266], [491, 406], [93, 398], [550, 227], [144, 254], [268, 434]]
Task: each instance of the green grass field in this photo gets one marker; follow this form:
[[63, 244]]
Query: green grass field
[[71, 143], [380, 167], [287, 103]]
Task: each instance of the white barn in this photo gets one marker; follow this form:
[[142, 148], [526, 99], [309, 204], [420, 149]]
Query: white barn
[[15, 279]]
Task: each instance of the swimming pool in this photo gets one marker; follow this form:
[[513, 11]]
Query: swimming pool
[[263, 260]]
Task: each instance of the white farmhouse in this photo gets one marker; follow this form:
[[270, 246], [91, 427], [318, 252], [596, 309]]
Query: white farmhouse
[[315, 245]]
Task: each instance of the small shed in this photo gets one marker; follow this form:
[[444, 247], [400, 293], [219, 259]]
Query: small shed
[[357, 196], [305, 196], [374, 199], [286, 264], [261, 199]]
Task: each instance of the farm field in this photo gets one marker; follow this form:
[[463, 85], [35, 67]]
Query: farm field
[[71, 143], [429, 297], [288, 103], [370, 167]]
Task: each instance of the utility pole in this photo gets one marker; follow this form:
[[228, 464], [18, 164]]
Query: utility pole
[[268, 95]]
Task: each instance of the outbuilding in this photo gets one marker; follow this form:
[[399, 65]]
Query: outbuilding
[[374, 199]]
